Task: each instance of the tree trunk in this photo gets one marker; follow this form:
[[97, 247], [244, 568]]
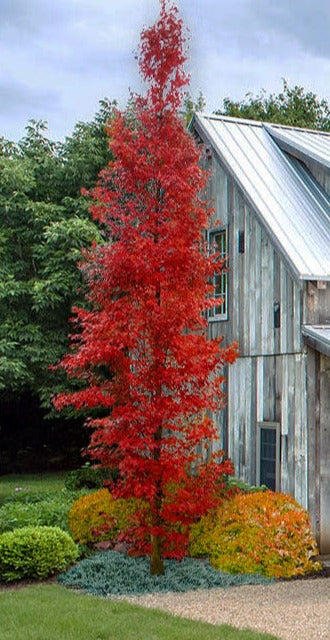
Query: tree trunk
[[156, 560]]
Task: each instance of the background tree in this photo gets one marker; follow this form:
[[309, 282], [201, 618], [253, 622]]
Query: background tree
[[293, 106], [44, 224], [190, 106], [142, 348]]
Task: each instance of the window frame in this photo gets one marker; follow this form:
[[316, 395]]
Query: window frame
[[212, 315], [274, 426]]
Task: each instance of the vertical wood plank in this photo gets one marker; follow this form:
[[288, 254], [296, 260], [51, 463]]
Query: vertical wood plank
[[277, 299], [234, 274], [260, 389], [325, 454], [267, 315], [258, 290], [246, 292], [313, 440], [300, 434], [297, 309], [285, 312], [253, 285]]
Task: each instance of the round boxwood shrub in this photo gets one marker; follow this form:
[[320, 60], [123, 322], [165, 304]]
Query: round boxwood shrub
[[98, 516], [35, 552], [267, 533]]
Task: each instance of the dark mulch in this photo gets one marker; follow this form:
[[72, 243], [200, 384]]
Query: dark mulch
[[324, 573], [20, 584]]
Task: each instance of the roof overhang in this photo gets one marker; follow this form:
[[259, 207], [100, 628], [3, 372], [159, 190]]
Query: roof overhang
[[318, 337], [296, 149]]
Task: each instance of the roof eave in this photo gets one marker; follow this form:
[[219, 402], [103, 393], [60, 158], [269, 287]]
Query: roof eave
[[315, 341]]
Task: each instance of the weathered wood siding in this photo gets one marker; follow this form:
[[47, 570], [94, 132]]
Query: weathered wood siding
[[276, 378], [318, 382], [324, 454], [318, 302], [258, 280], [270, 389], [313, 391]]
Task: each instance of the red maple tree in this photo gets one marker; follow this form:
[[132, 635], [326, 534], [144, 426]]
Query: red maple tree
[[142, 348]]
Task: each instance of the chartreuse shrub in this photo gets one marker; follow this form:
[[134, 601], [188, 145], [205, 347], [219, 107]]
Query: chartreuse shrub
[[98, 516], [115, 573], [266, 533], [35, 552]]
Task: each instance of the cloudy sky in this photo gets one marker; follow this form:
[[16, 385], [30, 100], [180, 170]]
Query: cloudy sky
[[60, 57]]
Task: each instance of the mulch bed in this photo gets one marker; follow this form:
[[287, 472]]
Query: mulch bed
[[324, 573], [20, 584]]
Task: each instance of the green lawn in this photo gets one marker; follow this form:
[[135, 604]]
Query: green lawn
[[34, 483], [50, 612]]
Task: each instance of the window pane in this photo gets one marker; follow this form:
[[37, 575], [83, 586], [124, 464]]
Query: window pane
[[218, 244], [268, 458]]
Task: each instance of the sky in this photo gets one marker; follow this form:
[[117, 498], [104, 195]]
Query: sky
[[60, 57]]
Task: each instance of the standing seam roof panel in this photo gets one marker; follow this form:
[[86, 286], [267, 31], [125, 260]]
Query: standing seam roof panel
[[290, 202], [272, 202], [314, 145]]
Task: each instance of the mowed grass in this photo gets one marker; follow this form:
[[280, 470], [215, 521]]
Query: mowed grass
[[51, 612], [41, 483]]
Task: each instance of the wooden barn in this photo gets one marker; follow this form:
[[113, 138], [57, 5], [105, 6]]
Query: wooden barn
[[270, 185]]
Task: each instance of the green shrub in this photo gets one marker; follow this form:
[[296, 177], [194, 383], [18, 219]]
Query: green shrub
[[50, 512], [35, 552], [87, 477], [98, 516], [22, 495], [245, 487], [266, 533]]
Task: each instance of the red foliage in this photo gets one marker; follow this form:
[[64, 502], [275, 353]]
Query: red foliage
[[142, 349]]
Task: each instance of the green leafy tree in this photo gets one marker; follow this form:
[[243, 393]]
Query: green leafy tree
[[44, 225], [190, 105], [293, 106]]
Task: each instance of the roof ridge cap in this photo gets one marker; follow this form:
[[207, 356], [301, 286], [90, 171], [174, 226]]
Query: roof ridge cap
[[260, 123], [276, 125], [217, 116]]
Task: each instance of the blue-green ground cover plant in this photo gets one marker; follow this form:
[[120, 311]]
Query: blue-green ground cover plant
[[113, 573]]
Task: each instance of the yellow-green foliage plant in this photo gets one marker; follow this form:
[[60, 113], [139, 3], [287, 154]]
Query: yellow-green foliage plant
[[267, 533], [98, 516]]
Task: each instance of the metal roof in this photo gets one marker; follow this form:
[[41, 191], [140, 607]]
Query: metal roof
[[289, 202], [318, 336], [303, 143]]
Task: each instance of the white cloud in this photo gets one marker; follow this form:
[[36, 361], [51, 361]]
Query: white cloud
[[64, 56]]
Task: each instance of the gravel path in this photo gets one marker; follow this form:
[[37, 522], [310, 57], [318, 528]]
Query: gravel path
[[296, 610]]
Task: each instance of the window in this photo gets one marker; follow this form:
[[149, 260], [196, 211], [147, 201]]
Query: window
[[268, 455], [218, 242]]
